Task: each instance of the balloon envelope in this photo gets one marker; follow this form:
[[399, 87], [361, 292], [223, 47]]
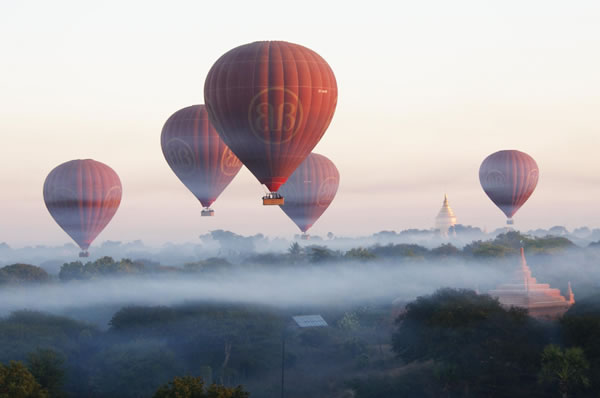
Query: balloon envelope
[[82, 196], [310, 190], [197, 155], [271, 103], [509, 178]]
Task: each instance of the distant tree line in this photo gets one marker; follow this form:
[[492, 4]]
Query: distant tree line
[[504, 245]]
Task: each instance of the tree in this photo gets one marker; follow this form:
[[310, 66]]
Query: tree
[[23, 273], [182, 387], [360, 254], [104, 266], [580, 327], [400, 250], [136, 318], [17, 382], [24, 331], [558, 230], [445, 250], [296, 253], [217, 391], [568, 369], [47, 367], [70, 271], [348, 322], [193, 387], [210, 264], [488, 250], [480, 347], [295, 249], [233, 243], [321, 254], [133, 369]]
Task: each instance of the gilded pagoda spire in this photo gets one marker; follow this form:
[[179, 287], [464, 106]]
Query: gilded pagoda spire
[[445, 218]]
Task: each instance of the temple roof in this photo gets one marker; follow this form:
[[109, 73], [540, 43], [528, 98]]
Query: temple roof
[[445, 217], [523, 290]]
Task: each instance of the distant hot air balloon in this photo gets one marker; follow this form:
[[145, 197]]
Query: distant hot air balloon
[[509, 178], [271, 102], [197, 155], [310, 190], [82, 196]]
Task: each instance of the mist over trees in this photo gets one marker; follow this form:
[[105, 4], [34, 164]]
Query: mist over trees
[[227, 244], [211, 323], [452, 342]]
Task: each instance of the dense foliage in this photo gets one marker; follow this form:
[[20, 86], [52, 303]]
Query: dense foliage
[[452, 343], [22, 274], [18, 382], [194, 387], [478, 346]]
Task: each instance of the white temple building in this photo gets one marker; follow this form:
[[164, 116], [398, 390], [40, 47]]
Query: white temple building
[[540, 299], [445, 218]]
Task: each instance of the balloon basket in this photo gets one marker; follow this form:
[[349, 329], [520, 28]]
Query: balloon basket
[[84, 254], [510, 221], [207, 213], [273, 199], [305, 236]]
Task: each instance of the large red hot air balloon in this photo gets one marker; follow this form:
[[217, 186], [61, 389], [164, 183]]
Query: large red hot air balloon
[[509, 178], [271, 102], [310, 190], [197, 155], [82, 196]]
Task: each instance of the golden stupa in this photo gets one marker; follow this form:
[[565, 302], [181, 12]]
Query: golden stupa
[[539, 299], [445, 218]]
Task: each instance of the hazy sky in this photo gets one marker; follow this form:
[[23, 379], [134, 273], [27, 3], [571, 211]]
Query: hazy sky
[[427, 90]]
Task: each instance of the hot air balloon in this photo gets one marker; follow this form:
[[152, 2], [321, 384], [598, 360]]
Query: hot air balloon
[[310, 190], [509, 178], [271, 102], [197, 155], [82, 196]]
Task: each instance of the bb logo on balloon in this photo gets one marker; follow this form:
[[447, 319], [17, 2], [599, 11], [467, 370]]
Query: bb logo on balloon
[[327, 191], [534, 176], [230, 164], [113, 196], [181, 156], [495, 178], [268, 119]]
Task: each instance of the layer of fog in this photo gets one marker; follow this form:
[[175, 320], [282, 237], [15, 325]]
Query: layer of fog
[[304, 286], [232, 246]]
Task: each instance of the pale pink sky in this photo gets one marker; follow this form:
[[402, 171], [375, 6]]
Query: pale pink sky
[[426, 91]]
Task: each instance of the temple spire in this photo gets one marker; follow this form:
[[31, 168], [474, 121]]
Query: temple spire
[[570, 295], [526, 273], [445, 219], [539, 299], [523, 260]]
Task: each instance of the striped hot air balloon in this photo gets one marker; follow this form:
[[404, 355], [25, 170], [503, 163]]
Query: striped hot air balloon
[[509, 178], [197, 155], [82, 196], [310, 190], [271, 102]]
